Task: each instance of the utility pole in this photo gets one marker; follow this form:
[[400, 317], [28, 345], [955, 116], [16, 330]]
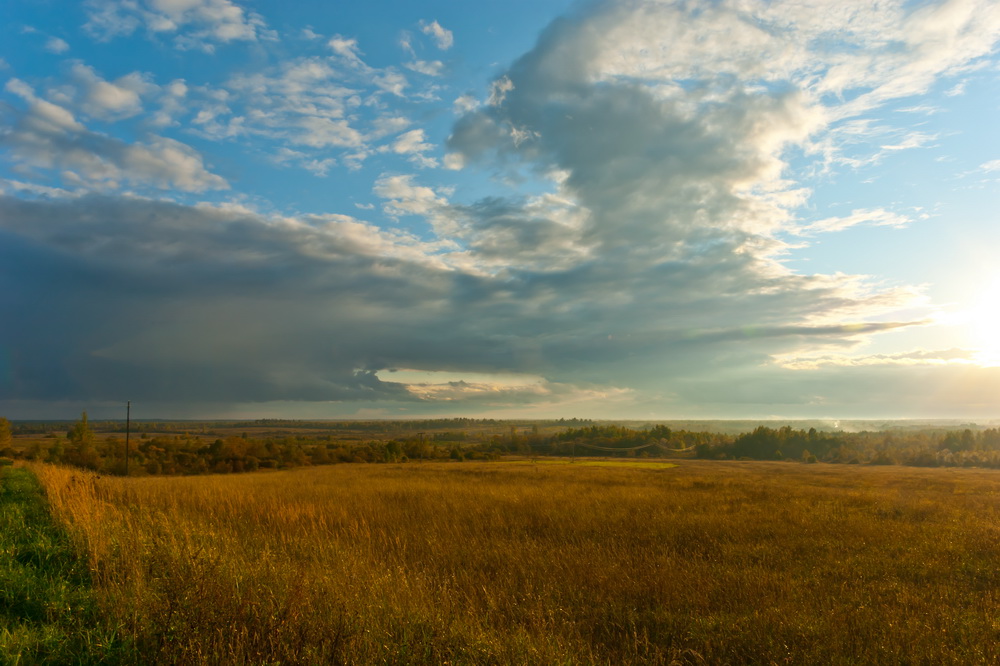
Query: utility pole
[[128, 427]]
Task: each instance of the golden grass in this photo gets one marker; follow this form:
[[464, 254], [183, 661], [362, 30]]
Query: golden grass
[[500, 563], [591, 462]]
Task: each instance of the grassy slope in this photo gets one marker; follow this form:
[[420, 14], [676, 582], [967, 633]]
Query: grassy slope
[[510, 563], [47, 611]]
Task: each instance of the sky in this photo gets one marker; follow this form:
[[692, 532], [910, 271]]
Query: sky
[[620, 209]]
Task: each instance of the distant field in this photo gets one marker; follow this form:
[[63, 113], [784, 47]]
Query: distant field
[[517, 563], [589, 462]]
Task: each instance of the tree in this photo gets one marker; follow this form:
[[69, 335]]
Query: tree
[[5, 435], [81, 433], [84, 452]]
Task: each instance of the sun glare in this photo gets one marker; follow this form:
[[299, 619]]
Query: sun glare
[[983, 325]]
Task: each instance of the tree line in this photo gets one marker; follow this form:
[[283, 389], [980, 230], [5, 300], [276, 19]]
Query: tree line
[[927, 447], [184, 453]]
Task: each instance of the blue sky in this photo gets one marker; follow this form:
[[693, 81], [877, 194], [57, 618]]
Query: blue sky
[[618, 209]]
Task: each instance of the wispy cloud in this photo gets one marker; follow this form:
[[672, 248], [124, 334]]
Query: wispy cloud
[[878, 217], [56, 45], [442, 36], [911, 358]]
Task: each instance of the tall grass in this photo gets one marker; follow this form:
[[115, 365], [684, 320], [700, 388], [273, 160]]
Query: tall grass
[[48, 614], [495, 563]]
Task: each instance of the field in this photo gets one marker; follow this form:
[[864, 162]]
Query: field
[[518, 563]]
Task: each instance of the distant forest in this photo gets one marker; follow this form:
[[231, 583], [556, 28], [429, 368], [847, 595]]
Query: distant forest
[[210, 447]]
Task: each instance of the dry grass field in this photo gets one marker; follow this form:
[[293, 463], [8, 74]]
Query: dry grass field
[[515, 563]]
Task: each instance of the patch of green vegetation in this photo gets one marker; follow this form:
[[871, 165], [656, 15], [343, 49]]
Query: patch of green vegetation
[[47, 611]]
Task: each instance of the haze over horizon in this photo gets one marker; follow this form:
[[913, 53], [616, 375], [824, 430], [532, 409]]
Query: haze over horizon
[[619, 209]]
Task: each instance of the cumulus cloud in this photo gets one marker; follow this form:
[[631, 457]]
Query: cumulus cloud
[[679, 192], [109, 100], [413, 144], [665, 170], [404, 197], [171, 104], [47, 136], [193, 24]]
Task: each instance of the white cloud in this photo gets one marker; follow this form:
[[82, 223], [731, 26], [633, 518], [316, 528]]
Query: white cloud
[[465, 103], [172, 104], [956, 90], [414, 144], [47, 136], [194, 24], [911, 140], [499, 90], [911, 358], [56, 45], [442, 37], [672, 195], [432, 68], [454, 161], [107, 100], [303, 102], [313, 104], [34, 189], [319, 167], [346, 49], [878, 217], [411, 142], [406, 43], [391, 81], [405, 198], [106, 20], [45, 116]]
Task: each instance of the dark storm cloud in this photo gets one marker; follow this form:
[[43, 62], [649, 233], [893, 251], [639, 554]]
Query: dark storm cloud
[[110, 297]]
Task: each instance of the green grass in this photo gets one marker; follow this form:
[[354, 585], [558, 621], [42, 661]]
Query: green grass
[[47, 612]]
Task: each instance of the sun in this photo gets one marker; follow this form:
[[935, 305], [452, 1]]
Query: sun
[[983, 325]]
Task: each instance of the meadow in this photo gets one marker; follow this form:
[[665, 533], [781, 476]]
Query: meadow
[[519, 563]]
